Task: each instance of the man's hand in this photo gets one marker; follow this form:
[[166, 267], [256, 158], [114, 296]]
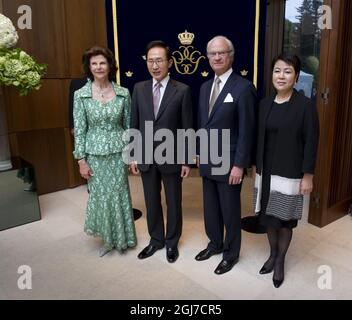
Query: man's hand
[[185, 171], [133, 168], [236, 175]]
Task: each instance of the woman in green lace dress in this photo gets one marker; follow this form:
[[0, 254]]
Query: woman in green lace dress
[[101, 114]]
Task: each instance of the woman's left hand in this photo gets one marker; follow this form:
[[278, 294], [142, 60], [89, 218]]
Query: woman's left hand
[[306, 186]]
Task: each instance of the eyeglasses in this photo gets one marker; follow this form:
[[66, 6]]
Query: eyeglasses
[[221, 54], [158, 62]]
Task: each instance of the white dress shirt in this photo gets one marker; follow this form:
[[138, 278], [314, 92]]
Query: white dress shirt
[[223, 79], [163, 83]]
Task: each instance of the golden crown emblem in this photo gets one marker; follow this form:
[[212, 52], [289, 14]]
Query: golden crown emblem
[[186, 38], [244, 72], [204, 74], [129, 74]]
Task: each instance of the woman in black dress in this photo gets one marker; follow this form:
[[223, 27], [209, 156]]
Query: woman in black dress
[[288, 134]]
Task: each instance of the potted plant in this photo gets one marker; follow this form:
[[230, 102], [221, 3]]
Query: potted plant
[[18, 69]]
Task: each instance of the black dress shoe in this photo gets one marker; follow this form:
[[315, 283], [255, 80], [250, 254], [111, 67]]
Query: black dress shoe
[[148, 251], [264, 270], [205, 254], [225, 266], [171, 254], [277, 283]]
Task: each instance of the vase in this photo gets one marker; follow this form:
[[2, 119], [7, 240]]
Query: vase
[[5, 155]]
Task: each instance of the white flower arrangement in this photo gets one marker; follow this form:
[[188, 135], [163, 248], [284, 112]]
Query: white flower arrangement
[[17, 68], [8, 33]]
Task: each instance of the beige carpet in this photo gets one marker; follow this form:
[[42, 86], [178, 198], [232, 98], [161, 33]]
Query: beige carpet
[[65, 265]]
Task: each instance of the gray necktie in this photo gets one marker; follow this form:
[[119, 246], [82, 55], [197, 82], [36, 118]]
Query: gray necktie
[[156, 98], [215, 94]]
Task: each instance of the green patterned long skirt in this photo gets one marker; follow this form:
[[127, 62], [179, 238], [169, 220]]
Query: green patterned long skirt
[[109, 209]]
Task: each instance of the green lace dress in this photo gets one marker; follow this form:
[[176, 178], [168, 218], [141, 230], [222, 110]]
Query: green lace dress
[[98, 138]]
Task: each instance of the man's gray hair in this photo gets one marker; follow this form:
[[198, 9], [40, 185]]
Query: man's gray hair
[[227, 40]]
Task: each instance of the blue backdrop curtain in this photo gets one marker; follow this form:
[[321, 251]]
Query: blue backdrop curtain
[[139, 22]]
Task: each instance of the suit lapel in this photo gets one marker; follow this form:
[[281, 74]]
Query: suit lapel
[[225, 90], [207, 95], [170, 90], [148, 93]]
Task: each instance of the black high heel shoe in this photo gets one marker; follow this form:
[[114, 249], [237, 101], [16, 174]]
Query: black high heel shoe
[[268, 266], [278, 283], [279, 269], [265, 270]]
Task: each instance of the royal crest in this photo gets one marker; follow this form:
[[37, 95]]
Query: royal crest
[[186, 59]]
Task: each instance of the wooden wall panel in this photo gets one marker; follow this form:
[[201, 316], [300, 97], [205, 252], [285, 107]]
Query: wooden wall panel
[[330, 198], [42, 109], [74, 178], [341, 186], [38, 123], [85, 30], [46, 151], [46, 41], [15, 152]]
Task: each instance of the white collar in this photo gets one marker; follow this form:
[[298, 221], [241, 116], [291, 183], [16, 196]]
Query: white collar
[[162, 82], [224, 76]]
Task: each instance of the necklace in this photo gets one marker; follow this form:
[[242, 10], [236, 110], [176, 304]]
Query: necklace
[[277, 100], [102, 92]]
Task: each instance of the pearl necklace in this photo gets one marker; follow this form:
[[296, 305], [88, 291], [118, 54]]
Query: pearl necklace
[[284, 100]]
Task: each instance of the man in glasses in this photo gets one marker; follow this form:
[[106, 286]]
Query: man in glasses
[[226, 102], [166, 104]]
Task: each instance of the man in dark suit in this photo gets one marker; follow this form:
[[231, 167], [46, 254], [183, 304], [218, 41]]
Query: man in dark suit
[[226, 102], [166, 104]]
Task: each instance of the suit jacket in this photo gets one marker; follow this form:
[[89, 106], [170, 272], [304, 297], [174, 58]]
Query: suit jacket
[[99, 130], [234, 109], [175, 112]]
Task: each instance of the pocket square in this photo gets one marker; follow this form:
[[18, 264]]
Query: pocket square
[[228, 98]]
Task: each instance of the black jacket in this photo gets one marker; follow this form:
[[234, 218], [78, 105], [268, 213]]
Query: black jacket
[[297, 137]]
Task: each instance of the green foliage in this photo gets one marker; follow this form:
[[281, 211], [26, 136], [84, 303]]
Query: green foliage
[[311, 64], [19, 69]]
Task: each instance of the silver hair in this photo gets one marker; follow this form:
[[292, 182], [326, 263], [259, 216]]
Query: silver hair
[[229, 43]]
